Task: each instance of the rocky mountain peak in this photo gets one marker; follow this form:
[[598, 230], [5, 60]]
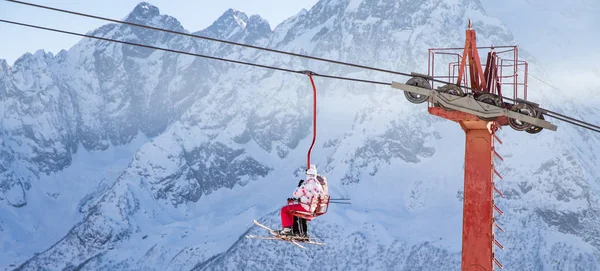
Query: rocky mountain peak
[[143, 12], [147, 14]]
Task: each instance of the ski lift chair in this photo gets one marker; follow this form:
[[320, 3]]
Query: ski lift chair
[[320, 205]]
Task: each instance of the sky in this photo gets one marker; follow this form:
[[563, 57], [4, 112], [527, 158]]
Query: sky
[[193, 15]]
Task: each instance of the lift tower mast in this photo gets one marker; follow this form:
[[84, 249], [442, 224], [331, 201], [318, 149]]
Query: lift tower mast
[[480, 109]]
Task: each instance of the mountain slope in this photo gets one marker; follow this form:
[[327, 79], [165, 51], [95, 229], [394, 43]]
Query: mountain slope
[[95, 97]]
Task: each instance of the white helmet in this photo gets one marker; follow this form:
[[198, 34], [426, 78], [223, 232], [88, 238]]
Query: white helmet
[[311, 172]]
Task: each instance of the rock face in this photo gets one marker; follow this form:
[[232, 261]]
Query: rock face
[[220, 144]]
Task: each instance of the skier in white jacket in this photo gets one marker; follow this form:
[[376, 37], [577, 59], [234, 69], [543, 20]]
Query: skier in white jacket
[[300, 226], [304, 194]]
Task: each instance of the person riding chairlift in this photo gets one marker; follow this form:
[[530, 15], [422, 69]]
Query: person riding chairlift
[[300, 227], [314, 186]]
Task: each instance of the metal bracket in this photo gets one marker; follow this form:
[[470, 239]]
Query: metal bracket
[[468, 104], [307, 72]]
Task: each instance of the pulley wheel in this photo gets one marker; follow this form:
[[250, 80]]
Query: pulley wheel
[[523, 109], [534, 129], [414, 97], [452, 90], [490, 99]]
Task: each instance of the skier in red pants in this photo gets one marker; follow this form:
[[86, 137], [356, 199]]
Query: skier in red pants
[[304, 193]]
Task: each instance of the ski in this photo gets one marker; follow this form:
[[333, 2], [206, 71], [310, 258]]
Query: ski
[[283, 239], [266, 228], [293, 239]]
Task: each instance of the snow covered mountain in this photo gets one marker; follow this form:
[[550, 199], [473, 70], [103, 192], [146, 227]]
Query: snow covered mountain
[[201, 148]]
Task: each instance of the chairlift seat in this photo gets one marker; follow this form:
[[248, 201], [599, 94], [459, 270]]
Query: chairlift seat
[[320, 205]]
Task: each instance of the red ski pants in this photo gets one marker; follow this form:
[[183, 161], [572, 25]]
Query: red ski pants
[[287, 219]]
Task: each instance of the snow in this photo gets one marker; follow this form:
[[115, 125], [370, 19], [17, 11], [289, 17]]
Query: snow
[[353, 5], [240, 21], [54, 202]]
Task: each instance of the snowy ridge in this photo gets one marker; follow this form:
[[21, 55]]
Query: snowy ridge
[[228, 143]]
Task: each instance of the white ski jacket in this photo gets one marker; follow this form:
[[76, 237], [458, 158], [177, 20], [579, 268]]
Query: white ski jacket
[[306, 191]]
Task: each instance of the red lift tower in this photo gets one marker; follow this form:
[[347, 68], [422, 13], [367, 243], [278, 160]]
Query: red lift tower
[[471, 95]]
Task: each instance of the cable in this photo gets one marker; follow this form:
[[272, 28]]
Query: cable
[[546, 111], [188, 53], [567, 117], [558, 116], [353, 79], [146, 46], [542, 81], [574, 123], [211, 39], [246, 45]]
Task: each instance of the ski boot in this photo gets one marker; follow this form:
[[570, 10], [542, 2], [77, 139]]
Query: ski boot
[[285, 232]]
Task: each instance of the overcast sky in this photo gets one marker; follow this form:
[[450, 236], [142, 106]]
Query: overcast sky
[[194, 15]]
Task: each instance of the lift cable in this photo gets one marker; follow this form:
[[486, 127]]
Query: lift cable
[[192, 54], [551, 113], [249, 46], [211, 39], [577, 124], [561, 116]]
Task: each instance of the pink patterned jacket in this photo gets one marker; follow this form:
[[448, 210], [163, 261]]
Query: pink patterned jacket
[[306, 191]]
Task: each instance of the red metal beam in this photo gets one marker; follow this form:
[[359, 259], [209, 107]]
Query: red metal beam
[[477, 250], [477, 243], [452, 115], [457, 116]]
